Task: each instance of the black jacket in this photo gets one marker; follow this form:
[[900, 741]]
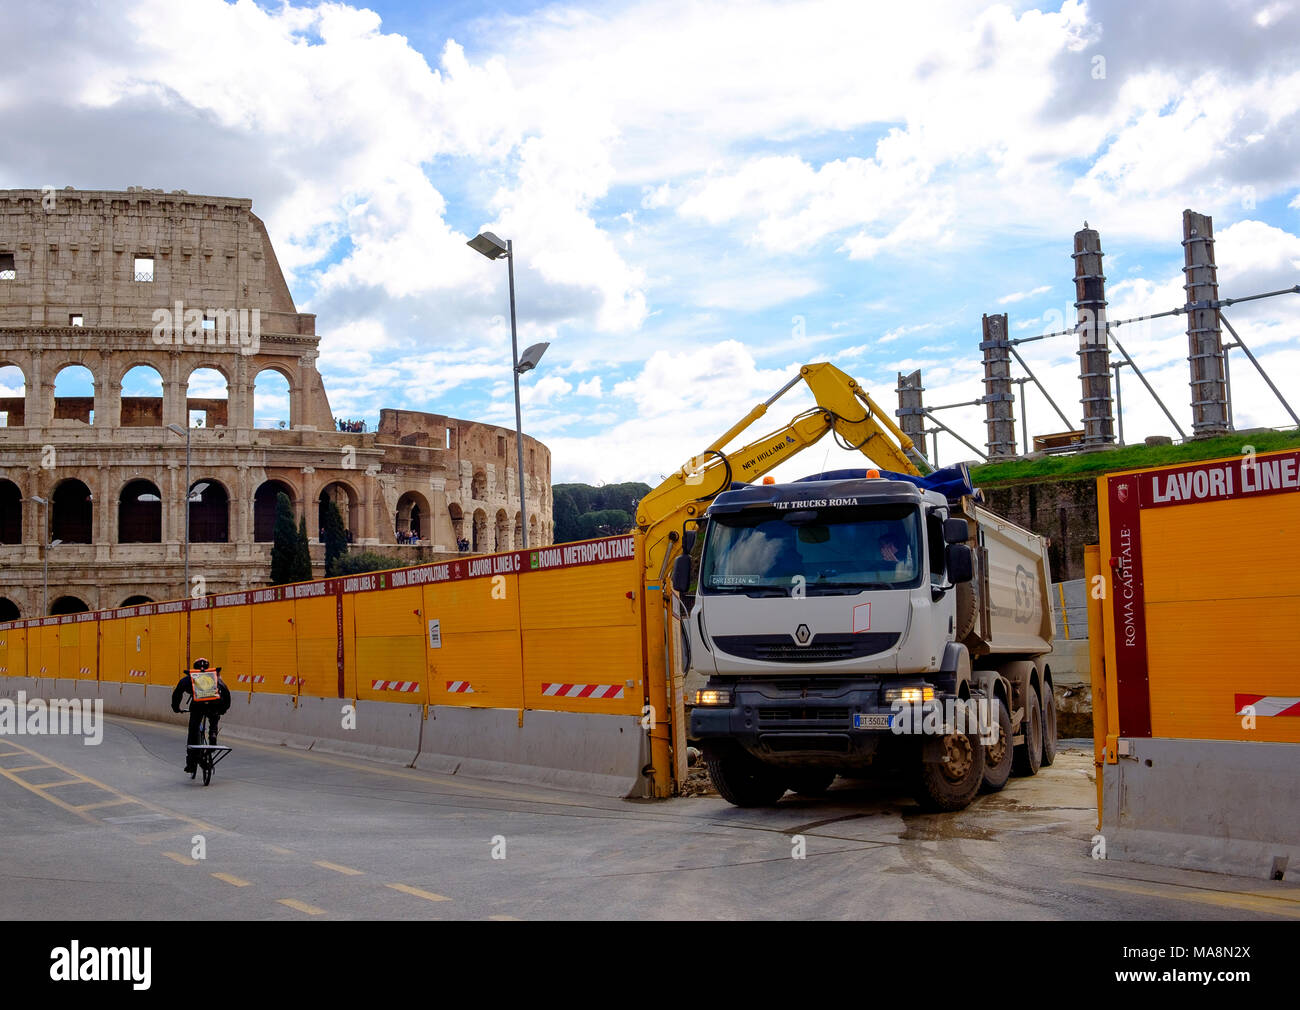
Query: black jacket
[[184, 687]]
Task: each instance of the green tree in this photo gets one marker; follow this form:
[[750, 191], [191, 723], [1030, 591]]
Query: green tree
[[355, 562], [334, 536], [302, 557], [284, 549]]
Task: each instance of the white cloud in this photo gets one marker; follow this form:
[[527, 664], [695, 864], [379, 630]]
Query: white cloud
[[1020, 296], [591, 387]]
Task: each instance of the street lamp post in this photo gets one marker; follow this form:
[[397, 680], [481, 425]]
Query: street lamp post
[[175, 429], [493, 248], [45, 582]]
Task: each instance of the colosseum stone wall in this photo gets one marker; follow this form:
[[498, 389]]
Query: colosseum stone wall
[[175, 283]]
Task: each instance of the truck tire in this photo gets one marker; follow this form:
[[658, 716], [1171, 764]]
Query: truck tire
[[811, 783], [1049, 725], [967, 606], [1029, 755], [743, 781], [949, 785], [998, 756]]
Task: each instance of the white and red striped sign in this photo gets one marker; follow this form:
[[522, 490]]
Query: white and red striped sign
[[459, 687], [137, 673], [1267, 704], [292, 681], [84, 671], [583, 690], [250, 678], [402, 686]]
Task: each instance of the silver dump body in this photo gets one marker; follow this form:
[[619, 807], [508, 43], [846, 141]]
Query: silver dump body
[[1013, 600]]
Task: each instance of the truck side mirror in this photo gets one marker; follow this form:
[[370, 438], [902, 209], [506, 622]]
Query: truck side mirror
[[688, 540], [955, 531], [682, 574], [961, 563]]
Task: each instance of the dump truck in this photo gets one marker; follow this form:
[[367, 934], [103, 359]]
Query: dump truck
[[856, 621]]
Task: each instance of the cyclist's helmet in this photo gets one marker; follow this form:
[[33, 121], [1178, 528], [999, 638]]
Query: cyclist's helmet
[[201, 664]]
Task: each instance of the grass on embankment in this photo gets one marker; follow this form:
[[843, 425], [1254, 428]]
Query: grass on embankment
[[1130, 457]]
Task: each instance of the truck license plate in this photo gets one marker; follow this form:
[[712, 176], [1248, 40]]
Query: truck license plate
[[862, 721]]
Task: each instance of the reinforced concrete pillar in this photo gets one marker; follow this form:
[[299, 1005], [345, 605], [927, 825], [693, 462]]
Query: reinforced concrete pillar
[[911, 413], [999, 401], [1204, 334], [1094, 345]]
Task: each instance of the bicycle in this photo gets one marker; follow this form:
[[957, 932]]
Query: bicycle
[[206, 756]]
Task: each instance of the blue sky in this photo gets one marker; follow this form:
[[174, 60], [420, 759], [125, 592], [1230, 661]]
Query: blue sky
[[702, 195]]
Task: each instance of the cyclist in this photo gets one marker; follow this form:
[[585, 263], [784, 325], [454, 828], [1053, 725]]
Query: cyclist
[[211, 698]]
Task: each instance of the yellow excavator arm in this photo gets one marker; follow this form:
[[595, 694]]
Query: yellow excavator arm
[[843, 407]]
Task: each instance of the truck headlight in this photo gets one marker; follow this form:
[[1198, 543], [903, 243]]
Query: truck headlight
[[713, 697], [909, 694]]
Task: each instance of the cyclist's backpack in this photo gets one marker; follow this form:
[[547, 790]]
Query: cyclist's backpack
[[205, 685]]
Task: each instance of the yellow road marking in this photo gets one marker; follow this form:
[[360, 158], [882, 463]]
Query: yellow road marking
[[1241, 900], [231, 879], [301, 906], [283, 852], [27, 768], [426, 895], [183, 860], [347, 870], [504, 918], [65, 782], [81, 811]]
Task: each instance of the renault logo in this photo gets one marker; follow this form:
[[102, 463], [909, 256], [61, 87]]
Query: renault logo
[[802, 635]]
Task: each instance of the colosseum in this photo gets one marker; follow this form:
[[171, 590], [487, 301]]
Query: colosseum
[[180, 301]]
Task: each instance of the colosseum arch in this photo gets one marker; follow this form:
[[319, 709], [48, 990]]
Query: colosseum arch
[[209, 507], [346, 499], [74, 393], [264, 504], [9, 609], [68, 605], [479, 541], [139, 513], [11, 513], [13, 395], [519, 532], [414, 515], [142, 397], [532, 532], [273, 398], [136, 600], [207, 396], [478, 486], [457, 517], [72, 513], [502, 531]]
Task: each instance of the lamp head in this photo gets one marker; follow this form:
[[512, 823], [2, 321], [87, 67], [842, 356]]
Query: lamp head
[[489, 245]]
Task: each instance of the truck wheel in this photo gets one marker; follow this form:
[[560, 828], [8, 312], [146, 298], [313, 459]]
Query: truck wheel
[[1049, 726], [743, 781], [1029, 755], [998, 755], [811, 783], [952, 783]]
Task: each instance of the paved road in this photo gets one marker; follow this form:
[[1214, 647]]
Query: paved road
[[108, 831]]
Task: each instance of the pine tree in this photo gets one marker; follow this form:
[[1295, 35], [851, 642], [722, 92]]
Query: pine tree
[[334, 536], [284, 549], [302, 565]]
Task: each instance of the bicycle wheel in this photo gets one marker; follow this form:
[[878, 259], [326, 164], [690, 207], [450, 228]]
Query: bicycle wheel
[[199, 760]]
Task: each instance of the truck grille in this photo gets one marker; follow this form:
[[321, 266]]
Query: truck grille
[[822, 648], [803, 713]]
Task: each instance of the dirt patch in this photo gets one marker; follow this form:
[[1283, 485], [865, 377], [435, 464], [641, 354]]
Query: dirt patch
[[698, 782]]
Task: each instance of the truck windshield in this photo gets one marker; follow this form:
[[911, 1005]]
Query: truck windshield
[[834, 550]]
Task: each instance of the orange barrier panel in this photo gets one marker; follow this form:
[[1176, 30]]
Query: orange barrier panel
[[581, 619], [473, 648], [13, 651], [231, 621], [275, 653], [85, 657], [112, 651], [166, 646], [390, 637], [348, 606], [48, 656], [315, 622]]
